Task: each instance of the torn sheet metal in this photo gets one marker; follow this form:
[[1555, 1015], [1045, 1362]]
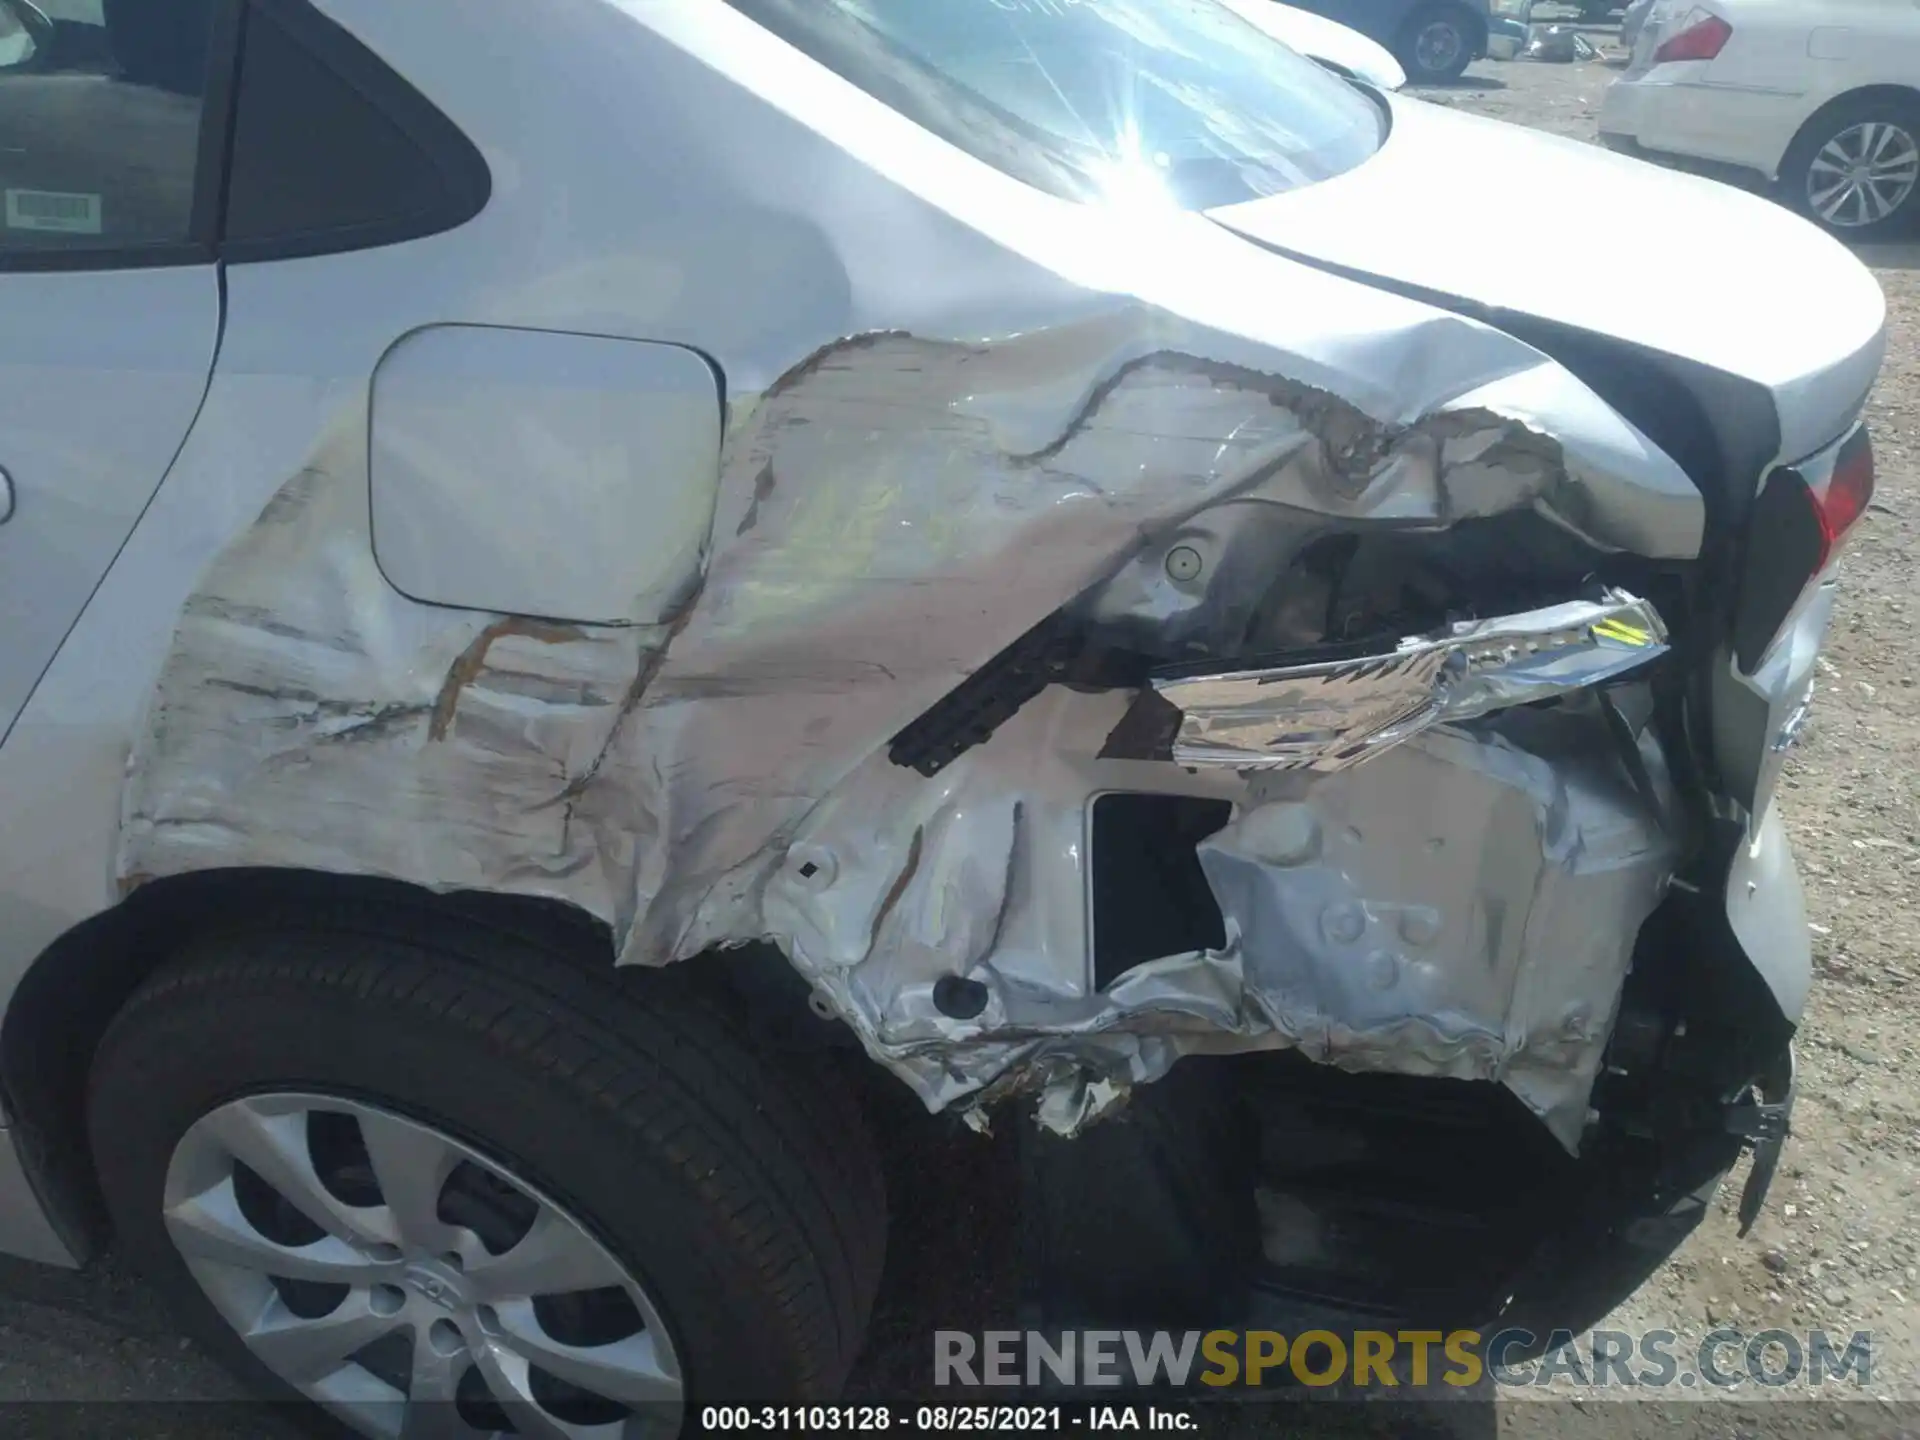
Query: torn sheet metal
[[1464, 905], [923, 505], [1333, 714], [894, 512]]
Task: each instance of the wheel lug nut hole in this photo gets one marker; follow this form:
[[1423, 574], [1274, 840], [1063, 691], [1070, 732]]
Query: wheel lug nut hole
[[489, 1317], [444, 1336], [453, 1261], [384, 1252], [387, 1299]]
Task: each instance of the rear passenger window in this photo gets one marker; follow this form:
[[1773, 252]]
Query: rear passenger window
[[100, 106], [332, 150]]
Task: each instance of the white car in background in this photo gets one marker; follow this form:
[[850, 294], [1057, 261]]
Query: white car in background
[[1821, 97], [1340, 48]]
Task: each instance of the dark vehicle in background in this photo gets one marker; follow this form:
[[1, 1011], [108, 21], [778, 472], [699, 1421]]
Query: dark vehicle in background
[[1434, 40], [1633, 22]]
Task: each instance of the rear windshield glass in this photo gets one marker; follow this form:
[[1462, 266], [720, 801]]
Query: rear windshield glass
[[1174, 102]]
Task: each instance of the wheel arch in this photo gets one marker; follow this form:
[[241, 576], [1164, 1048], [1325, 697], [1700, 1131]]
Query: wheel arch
[[70, 994], [1887, 90]]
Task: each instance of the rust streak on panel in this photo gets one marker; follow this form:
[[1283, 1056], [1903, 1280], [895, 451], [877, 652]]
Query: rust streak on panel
[[472, 660]]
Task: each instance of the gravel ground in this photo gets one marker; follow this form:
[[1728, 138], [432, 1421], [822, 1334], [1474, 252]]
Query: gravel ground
[[1840, 1242]]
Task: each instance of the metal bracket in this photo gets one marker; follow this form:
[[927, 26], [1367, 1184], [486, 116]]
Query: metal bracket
[[1764, 1124], [1054, 652]]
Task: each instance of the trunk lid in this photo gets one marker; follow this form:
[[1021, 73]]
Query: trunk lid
[[1514, 220]]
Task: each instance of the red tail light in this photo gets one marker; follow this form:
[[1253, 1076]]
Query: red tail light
[[1848, 493], [1798, 522], [1700, 35]]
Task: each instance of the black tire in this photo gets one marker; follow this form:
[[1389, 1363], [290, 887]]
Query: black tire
[[1840, 124], [1427, 62], [739, 1186]]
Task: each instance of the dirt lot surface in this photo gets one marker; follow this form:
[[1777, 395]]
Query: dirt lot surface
[[1840, 1244]]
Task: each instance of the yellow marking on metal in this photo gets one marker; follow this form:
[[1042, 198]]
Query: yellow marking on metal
[[1620, 631]]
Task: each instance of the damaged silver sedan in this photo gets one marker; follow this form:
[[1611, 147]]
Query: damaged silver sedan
[[565, 582]]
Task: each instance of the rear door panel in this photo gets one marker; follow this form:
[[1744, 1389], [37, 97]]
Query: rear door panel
[[112, 123], [101, 373]]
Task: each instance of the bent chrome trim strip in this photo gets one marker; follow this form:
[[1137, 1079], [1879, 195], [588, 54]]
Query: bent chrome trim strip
[[1332, 714]]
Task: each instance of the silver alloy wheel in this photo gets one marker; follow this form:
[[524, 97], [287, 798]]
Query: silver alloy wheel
[[1437, 46], [1863, 174], [320, 1230]]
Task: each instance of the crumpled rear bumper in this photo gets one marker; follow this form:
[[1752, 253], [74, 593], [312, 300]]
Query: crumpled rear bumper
[[1432, 860], [1464, 903]]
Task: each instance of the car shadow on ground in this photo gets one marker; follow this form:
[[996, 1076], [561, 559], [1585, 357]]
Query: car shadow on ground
[[954, 1254]]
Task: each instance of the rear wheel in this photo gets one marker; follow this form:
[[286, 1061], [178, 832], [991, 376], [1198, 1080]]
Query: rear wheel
[[1437, 44], [1855, 168], [443, 1184]]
